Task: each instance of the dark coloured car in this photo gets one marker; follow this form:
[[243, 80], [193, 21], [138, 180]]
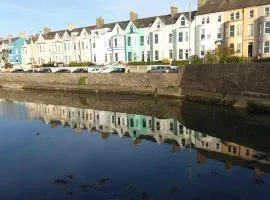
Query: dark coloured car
[[31, 71], [80, 70], [175, 70], [159, 69], [63, 71], [18, 71], [119, 70], [45, 70]]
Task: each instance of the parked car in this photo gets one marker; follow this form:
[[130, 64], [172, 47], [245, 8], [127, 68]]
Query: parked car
[[31, 71], [106, 70], [80, 70], [18, 71], [119, 70], [175, 70], [63, 71], [45, 70], [95, 70], [159, 69]]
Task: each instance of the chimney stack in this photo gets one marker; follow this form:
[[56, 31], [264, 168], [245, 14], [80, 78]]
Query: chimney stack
[[174, 11], [201, 3], [46, 30], [22, 35], [99, 22], [71, 27], [133, 16]]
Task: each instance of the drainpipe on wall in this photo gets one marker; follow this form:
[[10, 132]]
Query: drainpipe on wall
[[243, 31], [91, 51], [189, 34]]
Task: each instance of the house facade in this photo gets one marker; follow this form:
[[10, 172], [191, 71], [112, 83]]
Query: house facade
[[161, 37], [240, 25]]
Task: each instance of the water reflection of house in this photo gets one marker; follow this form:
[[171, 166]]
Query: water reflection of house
[[207, 142], [140, 127]]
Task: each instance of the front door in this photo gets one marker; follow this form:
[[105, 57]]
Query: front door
[[250, 50]]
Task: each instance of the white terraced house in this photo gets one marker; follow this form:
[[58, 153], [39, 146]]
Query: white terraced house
[[209, 32], [108, 42], [160, 37]]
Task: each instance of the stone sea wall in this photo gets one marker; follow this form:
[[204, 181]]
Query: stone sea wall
[[143, 83], [236, 84]]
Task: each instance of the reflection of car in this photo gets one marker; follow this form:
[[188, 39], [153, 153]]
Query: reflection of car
[[31, 71], [45, 70], [80, 70], [119, 70], [63, 71], [17, 71], [159, 69]]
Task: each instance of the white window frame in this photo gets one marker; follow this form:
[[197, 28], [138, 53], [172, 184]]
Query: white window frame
[[219, 35], [232, 16], [202, 35], [207, 20], [267, 11], [232, 31], [170, 37], [156, 55], [238, 47], [181, 36], [156, 38], [170, 54], [266, 47], [237, 16], [202, 50], [251, 30], [251, 13], [181, 54], [267, 27], [183, 21], [219, 18]]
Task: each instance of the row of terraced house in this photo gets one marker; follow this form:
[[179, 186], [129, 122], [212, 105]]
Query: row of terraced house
[[243, 26]]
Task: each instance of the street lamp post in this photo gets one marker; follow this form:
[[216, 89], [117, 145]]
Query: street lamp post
[[189, 27]]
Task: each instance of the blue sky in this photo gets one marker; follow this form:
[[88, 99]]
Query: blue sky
[[30, 16]]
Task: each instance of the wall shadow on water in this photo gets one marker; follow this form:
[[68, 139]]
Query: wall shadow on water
[[228, 124]]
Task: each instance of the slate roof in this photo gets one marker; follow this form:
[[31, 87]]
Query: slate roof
[[14, 39], [34, 38], [140, 23], [167, 19], [212, 6]]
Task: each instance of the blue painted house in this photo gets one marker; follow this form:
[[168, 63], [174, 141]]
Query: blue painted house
[[16, 47]]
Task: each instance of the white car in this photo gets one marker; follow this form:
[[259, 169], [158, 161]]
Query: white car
[[95, 70], [106, 70]]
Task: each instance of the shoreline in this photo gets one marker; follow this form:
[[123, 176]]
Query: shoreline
[[251, 104]]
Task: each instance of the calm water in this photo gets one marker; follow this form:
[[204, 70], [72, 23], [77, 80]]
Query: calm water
[[62, 152]]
